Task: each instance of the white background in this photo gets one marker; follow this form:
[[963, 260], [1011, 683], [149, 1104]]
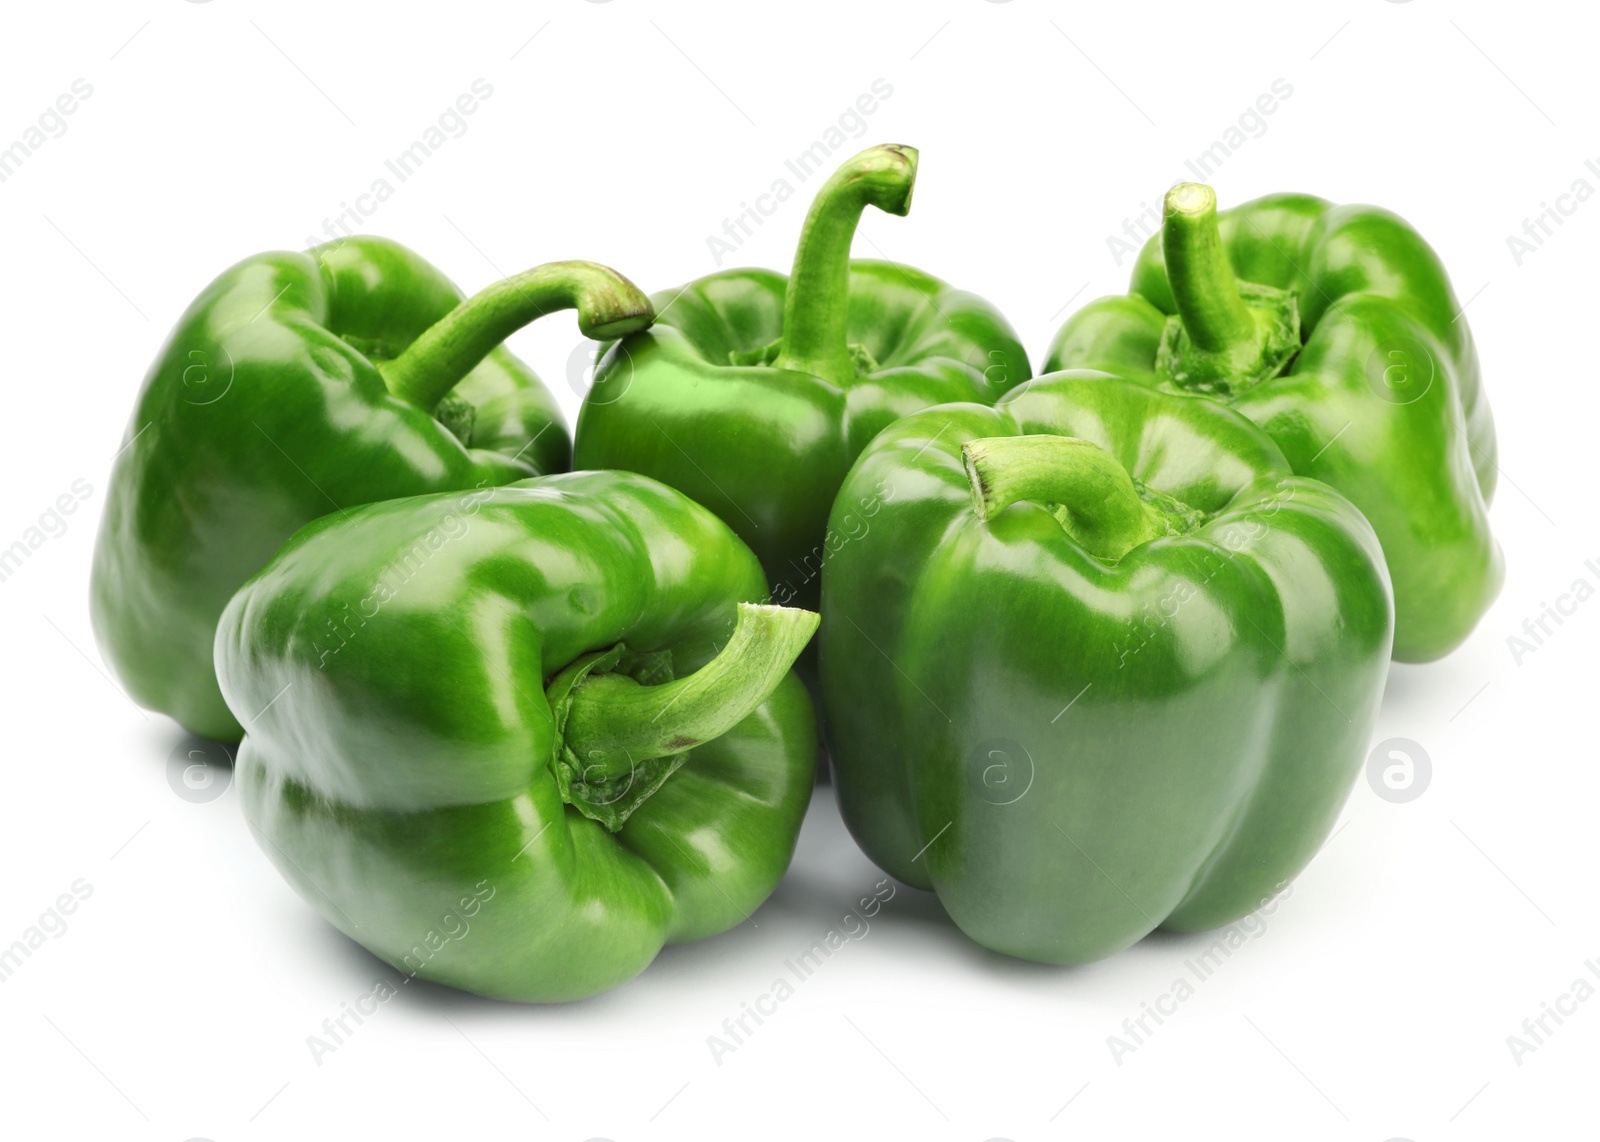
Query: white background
[[1376, 1003]]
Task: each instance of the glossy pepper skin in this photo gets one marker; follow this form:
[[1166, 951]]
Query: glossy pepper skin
[[300, 384], [514, 740], [753, 393], [1098, 663], [1336, 330]]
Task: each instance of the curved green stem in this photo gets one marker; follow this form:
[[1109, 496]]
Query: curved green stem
[[817, 302], [1214, 315], [1228, 335], [614, 722], [608, 306], [1100, 506]]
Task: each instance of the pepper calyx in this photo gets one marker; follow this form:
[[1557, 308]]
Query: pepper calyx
[[624, 725], [1238, 368], [1228, 335]]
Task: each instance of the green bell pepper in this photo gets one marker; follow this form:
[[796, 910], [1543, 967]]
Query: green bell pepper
[[300, 384], [1098, 663], [515, 740], [754, 393], [1335, 329]]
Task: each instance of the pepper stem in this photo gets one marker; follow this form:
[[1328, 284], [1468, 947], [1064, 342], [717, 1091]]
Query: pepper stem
[[1099, 504], [614, 722], [816, 304], [1214, 315], [608, 306], [1228, 335]]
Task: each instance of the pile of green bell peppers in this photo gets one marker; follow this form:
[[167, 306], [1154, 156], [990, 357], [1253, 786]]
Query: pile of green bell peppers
[[1096, 652]]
